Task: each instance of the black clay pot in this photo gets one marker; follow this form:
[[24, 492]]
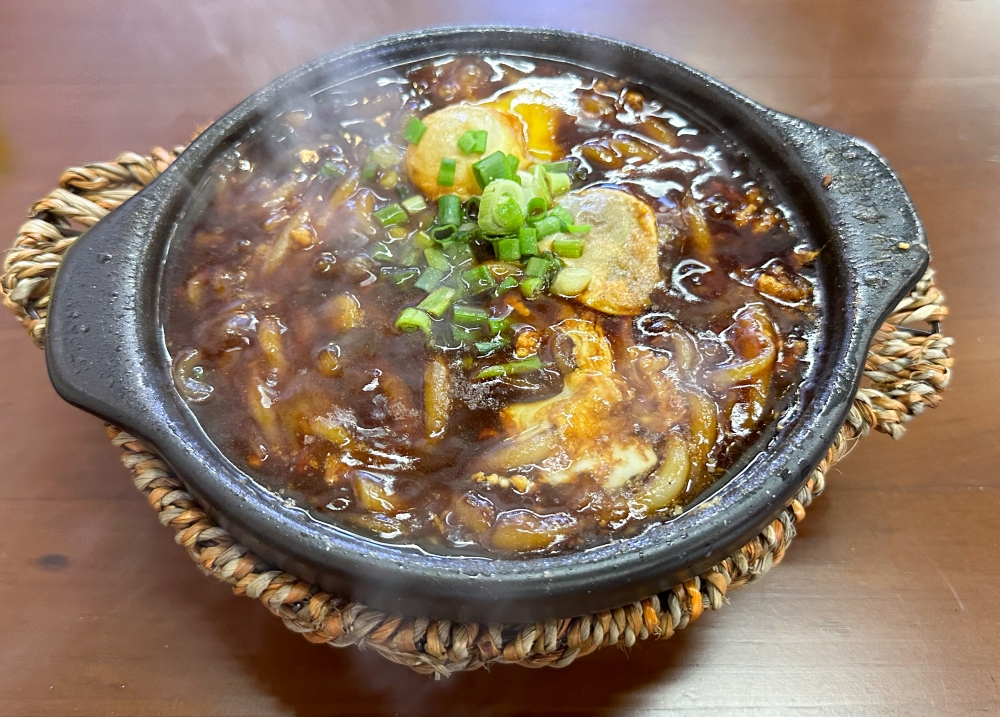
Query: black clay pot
[[106, 351]]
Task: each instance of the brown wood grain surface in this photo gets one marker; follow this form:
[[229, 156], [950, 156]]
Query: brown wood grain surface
[[887, 603]]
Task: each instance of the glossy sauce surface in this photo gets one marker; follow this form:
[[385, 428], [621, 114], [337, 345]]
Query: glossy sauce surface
[[287, 288]]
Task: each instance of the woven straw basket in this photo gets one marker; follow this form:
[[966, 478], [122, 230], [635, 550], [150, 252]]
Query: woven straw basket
[[907, 368]]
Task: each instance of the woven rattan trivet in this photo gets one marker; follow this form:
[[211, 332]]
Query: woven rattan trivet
[[907, 367]]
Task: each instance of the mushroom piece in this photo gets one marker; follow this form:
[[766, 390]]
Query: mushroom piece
[[445, 127], [621, 249]]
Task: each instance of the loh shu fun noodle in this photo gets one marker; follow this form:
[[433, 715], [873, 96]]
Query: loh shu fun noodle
[[488, 306]]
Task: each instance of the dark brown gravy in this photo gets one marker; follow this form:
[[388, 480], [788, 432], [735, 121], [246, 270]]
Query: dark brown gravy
[[330, 303]]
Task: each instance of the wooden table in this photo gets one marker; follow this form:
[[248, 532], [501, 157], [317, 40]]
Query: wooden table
[[888, 601]]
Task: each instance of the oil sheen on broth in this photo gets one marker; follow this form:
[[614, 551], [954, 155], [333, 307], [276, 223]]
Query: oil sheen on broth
[[489, 306]]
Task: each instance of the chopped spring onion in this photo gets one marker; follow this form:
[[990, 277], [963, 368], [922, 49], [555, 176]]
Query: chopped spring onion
[[540, 185], [513, 162], [501, 209], [537, 206], [331, 170], [386, 155], [429, 278], [528, 241], [484, 348], [391, 215], [446, 174], [436, 259], [473, 141], [532, 363], [465, 334], [559, 182], [508, 249], [531, 286], [438, 301], [570, 247], [449, 210], [562, 215], [368, 170], [548, 225], [401, 276], [564, 166], [470, 315], [572, 281], [411, 255], [578, 228], [508, 283], [444, 233], [422, 240], [414, 204], [411, 319], [536, 267], [381, 252], [414, 130], [479, 279], [472, 208], [491, 167], [498, 326], [458, 251]]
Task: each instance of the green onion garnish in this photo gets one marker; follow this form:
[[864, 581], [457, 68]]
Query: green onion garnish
[[536, 267], [445, 233], [472, 208], [449, 210], [484, 348], [570, 247], [562, 214], [508, 283], [492, 167], [513, 162], [381, 252], [473, 142], [548, 225], [438, 301], [578, 228], [411, 319], [429, 278], [540, 185], [465, 334], [458, 251], [401, 276], [470, 315], [532, 363], [531, 287], [391, 215], [498, 326], [479, 279], [414, 130], [331, 170], [537, 206], [508, 249], [368, 170], [446, 174], [422, 240], [571, 281], [414, 204], [436, 259], [500, 208], [528, 241], [559, 182], [563, 166]]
